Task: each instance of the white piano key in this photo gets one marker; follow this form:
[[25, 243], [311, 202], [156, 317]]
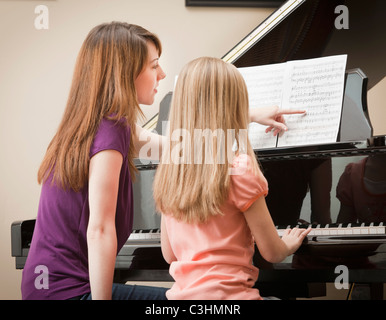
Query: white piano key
[[356, 230], [341, 231], [334, 231], [381, 229], [364, 230]]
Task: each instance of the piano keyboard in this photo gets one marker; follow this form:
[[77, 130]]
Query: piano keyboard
[[145, 234], [317, 230], [342, 229]]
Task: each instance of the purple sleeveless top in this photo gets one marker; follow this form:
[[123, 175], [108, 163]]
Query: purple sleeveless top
[[57, 262]]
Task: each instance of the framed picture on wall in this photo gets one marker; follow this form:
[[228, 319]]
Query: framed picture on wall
[[234, 3]]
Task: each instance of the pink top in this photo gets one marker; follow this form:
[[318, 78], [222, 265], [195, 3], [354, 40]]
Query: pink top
[[215, 258]]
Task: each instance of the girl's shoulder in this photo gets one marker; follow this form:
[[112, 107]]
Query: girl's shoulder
[[244, 164], [242, 160], [247, 182], [245, 170]]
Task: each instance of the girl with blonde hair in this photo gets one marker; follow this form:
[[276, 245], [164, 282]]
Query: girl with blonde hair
[[213, 209]]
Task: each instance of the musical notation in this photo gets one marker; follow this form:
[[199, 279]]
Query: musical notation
[[265, 88], [314, 85]]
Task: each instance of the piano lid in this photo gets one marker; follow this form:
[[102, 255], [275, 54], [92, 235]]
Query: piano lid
[[303, 29]]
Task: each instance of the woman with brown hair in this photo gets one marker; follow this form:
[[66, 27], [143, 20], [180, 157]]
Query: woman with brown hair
[[85, 211]]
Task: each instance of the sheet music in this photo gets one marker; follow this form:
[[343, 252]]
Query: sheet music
[[314, 85], [265, 88]]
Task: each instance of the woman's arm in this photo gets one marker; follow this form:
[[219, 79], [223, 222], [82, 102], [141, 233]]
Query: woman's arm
[[272, 117], [148, 145], [104, 174], [167, 250], [271, 246]]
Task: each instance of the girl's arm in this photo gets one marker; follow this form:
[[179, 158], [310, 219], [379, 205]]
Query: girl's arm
[[148, 145], [167, 250], [104, 173], [273, 248]]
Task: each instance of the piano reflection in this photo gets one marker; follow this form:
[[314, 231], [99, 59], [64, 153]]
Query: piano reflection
[[339, 188]]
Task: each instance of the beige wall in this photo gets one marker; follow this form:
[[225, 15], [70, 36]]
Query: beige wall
[[35, 74], [376, 100]]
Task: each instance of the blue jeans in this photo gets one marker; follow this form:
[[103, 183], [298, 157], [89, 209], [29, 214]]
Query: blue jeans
[[132, 292]]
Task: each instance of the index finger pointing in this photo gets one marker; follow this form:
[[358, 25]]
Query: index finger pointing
[[290, 111]]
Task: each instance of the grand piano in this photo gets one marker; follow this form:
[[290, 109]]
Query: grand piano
[[308, 185]]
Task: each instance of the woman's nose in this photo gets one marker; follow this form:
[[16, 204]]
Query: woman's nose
[[161, 74]]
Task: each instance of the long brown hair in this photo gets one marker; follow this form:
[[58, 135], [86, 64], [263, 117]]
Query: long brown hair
[[110, 59], [209, 95]]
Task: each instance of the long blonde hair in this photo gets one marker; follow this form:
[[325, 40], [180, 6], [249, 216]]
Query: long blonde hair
[[110, 59], [209, 94]]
